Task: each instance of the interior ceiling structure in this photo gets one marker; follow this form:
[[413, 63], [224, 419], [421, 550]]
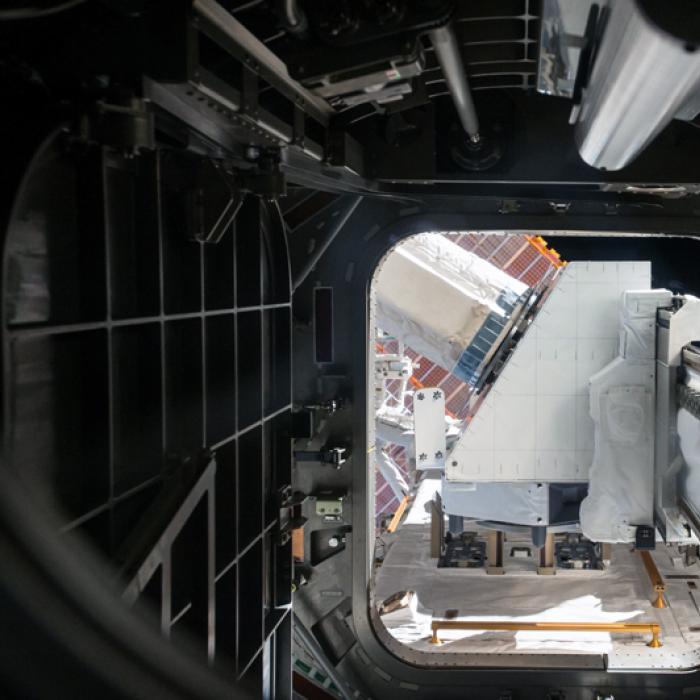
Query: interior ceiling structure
[[195, 197], [498, 41]]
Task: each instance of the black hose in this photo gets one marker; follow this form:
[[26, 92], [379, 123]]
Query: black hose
[[295, 20], [29, 12]]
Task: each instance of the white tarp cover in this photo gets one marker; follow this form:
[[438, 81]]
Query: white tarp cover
[[434, 296], [622, 405], [688, 427]]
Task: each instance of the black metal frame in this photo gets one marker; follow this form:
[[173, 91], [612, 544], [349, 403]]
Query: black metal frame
[[377, 665], [159, 561], [152, 349], [153, 316], [323, 150], [378, 649]]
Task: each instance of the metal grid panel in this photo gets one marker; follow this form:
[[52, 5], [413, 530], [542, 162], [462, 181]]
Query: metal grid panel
[[129, 350]]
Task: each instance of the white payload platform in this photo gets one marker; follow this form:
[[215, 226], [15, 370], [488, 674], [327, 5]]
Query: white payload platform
[[620, 593]]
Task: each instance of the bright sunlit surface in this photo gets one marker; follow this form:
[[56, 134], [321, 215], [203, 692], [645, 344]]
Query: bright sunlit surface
[[446, 306]]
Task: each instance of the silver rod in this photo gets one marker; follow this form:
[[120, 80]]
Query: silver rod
[[448, 55]]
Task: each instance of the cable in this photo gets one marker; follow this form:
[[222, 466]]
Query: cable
[[294, 17], [246, 6], [38, 12]]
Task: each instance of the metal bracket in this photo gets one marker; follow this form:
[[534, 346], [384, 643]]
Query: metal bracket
[[160, 558], [250, 89], [266, 179], [332, 456], [218, 193], [560, 207], [429, 419], [330, 507], [330, 406], [290, 518], [213, 203], [128, 127]]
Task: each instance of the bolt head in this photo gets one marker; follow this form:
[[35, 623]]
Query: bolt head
[[252, 153]]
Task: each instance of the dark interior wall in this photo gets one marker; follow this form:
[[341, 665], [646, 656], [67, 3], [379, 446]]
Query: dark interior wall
[[128, 351]]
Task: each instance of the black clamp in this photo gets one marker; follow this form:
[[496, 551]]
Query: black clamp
[[332, 456], [290, 518]]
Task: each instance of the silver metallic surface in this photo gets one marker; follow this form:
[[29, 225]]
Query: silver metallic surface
[[227, 23], [641, 78], [370, 83], [392, 474], [690, 356], [525, 503], [673, 330], [447, 51], [561, 39], [691, 514], [666, 463], [690, 108], [689, 399]]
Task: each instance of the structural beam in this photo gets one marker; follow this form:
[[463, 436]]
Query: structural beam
[[546, 565], [656, 579], [394, 524], [494, 552], [450, 59]]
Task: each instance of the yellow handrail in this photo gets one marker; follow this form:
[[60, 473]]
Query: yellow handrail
[[398, 515], [656, 580], [652, 628]]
